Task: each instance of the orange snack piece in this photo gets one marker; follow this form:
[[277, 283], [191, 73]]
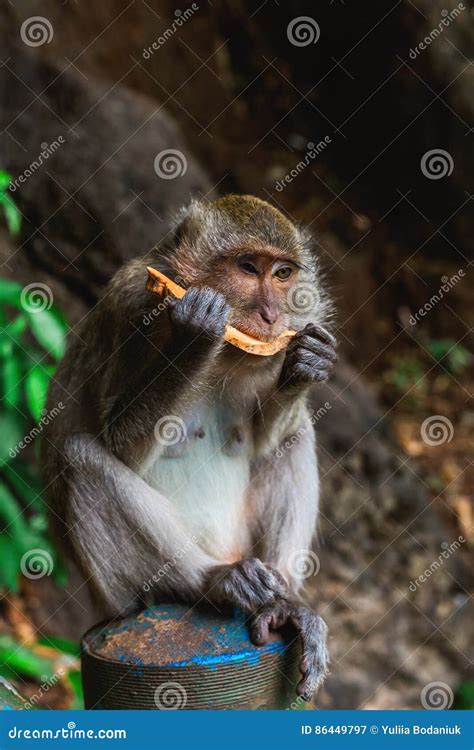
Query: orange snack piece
[[160, 284]]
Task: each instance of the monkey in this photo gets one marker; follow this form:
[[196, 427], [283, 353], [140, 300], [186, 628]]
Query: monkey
[[164, 456]]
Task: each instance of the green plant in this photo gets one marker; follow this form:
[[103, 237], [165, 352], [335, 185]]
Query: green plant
[[10, 210], [457, 356], [32, 335]]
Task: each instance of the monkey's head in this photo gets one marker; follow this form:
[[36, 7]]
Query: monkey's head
[[260, 261]]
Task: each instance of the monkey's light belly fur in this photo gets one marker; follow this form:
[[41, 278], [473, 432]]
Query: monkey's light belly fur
[[171, 657]]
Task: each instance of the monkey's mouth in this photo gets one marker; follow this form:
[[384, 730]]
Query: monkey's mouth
[[263, 333]]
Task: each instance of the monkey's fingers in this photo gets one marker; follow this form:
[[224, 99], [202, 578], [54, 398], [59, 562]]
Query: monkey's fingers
[[270, 618], [315, 658]]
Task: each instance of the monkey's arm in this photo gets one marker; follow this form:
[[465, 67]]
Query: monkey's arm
[[285, 492], [162, 361]]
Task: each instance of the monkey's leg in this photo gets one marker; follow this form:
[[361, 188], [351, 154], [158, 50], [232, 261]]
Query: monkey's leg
[[129, 538], [124, 533], [286, 490]]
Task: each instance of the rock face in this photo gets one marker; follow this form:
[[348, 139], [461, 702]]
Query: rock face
[[97, 201]]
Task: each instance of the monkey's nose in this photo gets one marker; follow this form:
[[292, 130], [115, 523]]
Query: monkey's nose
[[269, 316]]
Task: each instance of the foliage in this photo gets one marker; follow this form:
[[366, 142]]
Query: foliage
[[8, 205], [31, 342], [464, 697], [456, 357]]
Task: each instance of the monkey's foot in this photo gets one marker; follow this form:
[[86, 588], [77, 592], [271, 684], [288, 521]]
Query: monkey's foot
[[309, 357], [312, 631], [248, 584]]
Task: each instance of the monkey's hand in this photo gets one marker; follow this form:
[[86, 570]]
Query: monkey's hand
[[248, 584], [309, 357], [310, 628], [200, 311]]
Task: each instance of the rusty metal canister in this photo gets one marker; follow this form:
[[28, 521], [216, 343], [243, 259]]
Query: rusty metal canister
[[173, 657]]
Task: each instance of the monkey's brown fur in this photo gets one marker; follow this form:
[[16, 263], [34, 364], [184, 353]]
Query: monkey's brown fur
[[216, 510]]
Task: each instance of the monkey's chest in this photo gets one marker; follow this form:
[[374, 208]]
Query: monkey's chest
[[202, 465]]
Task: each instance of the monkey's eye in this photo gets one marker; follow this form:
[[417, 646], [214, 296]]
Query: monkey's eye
[[283, 273], [248, 267]]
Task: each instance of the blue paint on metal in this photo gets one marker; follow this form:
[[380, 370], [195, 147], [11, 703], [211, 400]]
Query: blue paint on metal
[[175, 636]]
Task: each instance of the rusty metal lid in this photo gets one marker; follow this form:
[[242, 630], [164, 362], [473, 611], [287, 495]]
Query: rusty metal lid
[[174, 656]]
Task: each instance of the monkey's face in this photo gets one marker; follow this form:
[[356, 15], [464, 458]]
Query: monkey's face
[[257, 285]]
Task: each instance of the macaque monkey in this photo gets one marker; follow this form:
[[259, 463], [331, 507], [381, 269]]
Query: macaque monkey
[[163, 467]]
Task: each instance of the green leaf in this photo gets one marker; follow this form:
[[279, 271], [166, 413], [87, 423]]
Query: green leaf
[[5, 179], [36, 389], [16, 327], [24, 661], [10, 293], [12, 214], [64, 645], [12, 431], [74, 678], [12, 372], [25, 481], [11, 513], [10, 568], [50, 330]]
